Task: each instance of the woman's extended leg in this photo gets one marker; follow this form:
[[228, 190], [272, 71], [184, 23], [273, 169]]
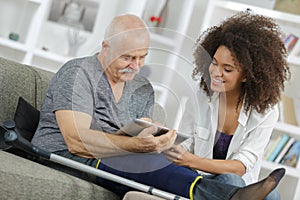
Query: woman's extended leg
[[261, 189], [233, 179], [213, 190]]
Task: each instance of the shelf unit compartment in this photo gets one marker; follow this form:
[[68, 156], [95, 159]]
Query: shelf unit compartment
[[89, 9], [51, 56], [20, 23], [224, 9], [13, 44], [175, 16], [54, 33], [291, 98], [288, 28], [12, 53], [282, 128], [46, 63]]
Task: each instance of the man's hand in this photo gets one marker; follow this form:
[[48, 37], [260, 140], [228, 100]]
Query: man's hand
[[146, 142], [148, 132], [160, 143]]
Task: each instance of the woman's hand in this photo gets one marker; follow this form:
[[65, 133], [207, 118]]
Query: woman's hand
[[179, 155]]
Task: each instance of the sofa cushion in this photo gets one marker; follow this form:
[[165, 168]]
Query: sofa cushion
[[26, 118], [24, 179]]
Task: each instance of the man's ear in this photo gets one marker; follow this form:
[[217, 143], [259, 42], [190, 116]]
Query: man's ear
[[104, 45]]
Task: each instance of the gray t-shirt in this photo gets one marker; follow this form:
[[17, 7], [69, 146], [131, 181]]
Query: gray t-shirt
[[81, 85]]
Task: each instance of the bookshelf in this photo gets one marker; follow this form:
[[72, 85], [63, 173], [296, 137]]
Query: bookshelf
[[217, 11]]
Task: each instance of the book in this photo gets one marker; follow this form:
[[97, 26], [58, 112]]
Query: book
[[271, 146], [279, 147], [296, 49], [292, 156], [290, 42], [298, 164], [285, 149]]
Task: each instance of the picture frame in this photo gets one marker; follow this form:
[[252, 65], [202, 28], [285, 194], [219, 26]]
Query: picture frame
[[88, 12]]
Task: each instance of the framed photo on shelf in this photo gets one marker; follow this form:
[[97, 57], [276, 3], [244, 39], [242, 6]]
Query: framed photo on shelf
[[75, 13]]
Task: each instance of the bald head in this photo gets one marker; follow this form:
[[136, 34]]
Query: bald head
[[125, 23], [129, 28]]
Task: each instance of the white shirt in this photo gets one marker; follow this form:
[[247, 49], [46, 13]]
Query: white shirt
[[248, 142]]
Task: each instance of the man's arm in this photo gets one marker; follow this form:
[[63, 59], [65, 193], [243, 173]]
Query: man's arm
[[85, 142]]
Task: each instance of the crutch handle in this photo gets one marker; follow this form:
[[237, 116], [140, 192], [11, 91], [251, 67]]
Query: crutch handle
[[14, 138]]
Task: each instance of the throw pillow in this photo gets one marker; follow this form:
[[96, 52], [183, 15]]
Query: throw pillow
[[26, 119]]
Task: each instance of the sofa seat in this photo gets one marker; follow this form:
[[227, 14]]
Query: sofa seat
[[24, 179]]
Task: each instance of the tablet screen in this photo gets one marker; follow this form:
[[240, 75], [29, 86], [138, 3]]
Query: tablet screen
[[134, 127]]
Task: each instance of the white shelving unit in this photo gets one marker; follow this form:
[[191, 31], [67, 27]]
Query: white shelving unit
[[217, 11], [43, 43]]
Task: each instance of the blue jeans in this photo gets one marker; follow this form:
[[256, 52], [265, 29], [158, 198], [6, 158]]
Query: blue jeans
[[236, 180]]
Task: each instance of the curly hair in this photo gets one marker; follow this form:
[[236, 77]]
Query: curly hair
[[256, 45]]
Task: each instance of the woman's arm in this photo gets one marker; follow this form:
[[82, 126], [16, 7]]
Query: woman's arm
[[180, 156]]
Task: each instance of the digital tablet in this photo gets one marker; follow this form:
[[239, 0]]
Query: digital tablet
[[134, 127]]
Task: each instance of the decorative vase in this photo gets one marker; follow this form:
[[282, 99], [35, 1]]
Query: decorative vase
[[163, 16], [75, 40], [72, 17], [155, 14]]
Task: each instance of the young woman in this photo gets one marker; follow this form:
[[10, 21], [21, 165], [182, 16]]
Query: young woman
[[240, 86]]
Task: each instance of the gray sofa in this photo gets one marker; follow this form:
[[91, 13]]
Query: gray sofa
[[24, 179]]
